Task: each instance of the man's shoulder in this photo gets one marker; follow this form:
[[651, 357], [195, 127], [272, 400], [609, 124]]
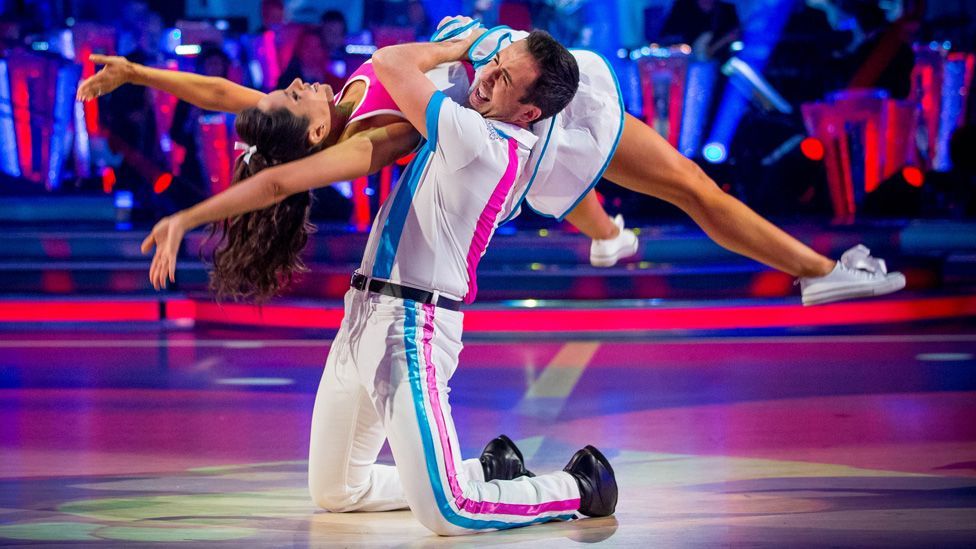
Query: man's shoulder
[[494, 133]]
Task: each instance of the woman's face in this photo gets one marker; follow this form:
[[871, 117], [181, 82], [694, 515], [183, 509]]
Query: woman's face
[[313, 101]]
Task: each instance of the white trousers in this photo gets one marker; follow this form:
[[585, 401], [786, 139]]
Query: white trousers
[[386, 378]]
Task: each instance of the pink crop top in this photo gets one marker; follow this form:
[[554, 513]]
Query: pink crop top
[[376, 100]]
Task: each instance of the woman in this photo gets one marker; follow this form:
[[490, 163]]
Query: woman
[[363, 124]]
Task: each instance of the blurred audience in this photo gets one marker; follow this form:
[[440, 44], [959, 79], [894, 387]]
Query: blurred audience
[[709, 26], [193, 182], [310, 62], [334, 32], [272, 14]]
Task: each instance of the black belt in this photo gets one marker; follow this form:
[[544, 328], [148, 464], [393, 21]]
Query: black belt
[[360, 282]]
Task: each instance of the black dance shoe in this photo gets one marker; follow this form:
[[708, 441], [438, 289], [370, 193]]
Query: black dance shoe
[[502, 460], [597, 484]]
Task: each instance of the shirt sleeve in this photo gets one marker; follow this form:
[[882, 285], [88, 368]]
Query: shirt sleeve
[[456, 134], [452, 79]]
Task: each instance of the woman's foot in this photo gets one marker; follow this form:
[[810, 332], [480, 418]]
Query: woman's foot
[[857, 274], [606, 253]]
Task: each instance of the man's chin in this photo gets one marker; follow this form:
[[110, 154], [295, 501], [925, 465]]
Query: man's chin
[[477, 104]]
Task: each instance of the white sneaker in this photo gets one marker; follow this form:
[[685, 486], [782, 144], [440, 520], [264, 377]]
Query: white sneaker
[[857, 274], [606, 253]]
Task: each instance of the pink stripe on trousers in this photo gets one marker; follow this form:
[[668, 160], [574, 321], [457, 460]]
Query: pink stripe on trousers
[[463, 503]]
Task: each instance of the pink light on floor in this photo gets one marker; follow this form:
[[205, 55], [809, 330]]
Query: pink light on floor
[[502, 318], [269, 315], [78, 311]]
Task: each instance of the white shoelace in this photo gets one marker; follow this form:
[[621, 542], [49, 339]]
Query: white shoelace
[[859, 259]]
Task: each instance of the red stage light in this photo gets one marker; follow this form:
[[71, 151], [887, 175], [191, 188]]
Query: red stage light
[[162, 183], [108, 179], [812, 148], [913, 176]]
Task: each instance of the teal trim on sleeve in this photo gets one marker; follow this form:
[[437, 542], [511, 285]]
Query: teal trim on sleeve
[[433, 116]]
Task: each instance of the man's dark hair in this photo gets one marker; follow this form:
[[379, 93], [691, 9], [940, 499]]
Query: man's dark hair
[[558, 74]]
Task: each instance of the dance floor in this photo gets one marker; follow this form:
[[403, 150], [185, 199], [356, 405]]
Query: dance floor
[[198, 437]]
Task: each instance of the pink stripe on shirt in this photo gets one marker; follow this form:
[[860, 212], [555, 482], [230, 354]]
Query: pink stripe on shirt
[[489, 216]]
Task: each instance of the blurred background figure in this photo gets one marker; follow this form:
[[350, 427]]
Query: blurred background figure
[[335, 36], [272, 14], [334, 32], [418, 20], [128, 115], [709, 26], [310, 62], [193, 181]]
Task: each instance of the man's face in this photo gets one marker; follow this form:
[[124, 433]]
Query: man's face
[[501, 84]]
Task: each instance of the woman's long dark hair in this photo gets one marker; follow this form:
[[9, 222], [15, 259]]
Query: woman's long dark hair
[[259, 253]]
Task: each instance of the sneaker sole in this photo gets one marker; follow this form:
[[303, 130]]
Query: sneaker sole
[[611, 260], [893, 284]]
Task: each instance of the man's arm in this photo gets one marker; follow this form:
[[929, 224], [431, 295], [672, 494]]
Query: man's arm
[[401, 70], [207, 92]]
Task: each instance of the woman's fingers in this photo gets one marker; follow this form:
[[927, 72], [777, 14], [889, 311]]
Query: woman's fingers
[[152, 271], [101, 59], [147, 244]]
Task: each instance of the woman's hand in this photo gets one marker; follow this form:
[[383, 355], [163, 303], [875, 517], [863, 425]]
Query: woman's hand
[[117, 71], [461, 45], [166, 236]]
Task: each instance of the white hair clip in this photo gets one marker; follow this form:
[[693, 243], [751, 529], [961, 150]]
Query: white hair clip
[[251, 149]]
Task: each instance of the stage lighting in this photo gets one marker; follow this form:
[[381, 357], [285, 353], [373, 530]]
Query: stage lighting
[[812, 148], [162, 183], [108, 179], [899, 196], [715, 153], [188, 50], [124, 200], [913, 176]]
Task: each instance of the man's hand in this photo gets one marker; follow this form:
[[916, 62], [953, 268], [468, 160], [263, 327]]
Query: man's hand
[[117, 71]]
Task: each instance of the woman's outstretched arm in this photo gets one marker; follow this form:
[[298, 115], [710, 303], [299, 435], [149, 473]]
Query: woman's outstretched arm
[[207, 92], [360, 155]]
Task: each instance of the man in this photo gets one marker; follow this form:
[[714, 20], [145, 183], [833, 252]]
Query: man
[[387, 373]]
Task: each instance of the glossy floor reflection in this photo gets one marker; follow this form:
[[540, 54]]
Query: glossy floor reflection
[[198, 437]]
